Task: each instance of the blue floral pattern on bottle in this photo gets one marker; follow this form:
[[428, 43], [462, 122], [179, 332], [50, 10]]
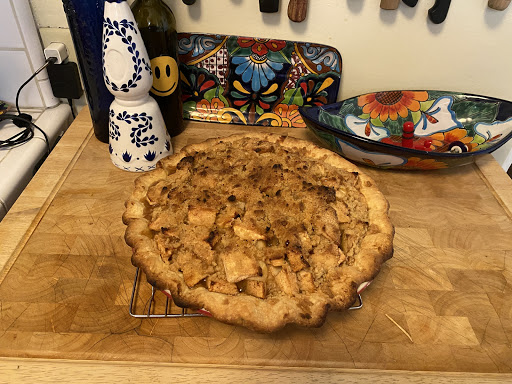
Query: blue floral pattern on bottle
[[127, 156], [138, 139], [137, 134], [150, 156], [113, 130], [121, 29], [136, 117]]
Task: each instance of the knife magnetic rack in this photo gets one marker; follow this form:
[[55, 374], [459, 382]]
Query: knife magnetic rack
[[158, 305]]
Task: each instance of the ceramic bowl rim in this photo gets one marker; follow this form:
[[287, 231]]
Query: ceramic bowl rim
[[307, 113]]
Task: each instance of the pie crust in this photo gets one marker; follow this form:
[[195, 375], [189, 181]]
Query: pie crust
[[260, 230]]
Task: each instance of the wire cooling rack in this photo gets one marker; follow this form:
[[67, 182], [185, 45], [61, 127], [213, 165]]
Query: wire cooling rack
[[148, 302]]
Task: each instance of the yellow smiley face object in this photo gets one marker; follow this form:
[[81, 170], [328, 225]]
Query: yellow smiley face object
[[165, 75]]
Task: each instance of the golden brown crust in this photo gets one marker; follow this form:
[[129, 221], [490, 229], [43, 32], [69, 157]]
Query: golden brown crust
[[191, 235]]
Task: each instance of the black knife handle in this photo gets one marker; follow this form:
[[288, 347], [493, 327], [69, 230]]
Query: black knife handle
[[438, 12], [410, 3], [189, 2], [269, 6]]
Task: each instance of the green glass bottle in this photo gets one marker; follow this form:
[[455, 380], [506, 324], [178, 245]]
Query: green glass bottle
[[157, 27]]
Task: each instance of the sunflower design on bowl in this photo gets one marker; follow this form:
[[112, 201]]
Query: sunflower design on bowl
[[447, 128]]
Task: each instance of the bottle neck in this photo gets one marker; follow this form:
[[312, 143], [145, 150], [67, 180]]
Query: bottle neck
[[146, 2], [151, 10]]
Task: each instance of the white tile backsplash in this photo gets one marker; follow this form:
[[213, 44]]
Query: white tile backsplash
[[10, 36], [15, 69], [21, 54], [49, 14], [30, 34]]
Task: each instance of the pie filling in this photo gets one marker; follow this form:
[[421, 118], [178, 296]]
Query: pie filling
[[251, 217]]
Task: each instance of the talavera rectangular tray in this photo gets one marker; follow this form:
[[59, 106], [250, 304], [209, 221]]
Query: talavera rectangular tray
[[254, 81]]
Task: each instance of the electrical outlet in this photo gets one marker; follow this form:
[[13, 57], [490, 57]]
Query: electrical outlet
[[63, 74], [65, 80], [56, 50]]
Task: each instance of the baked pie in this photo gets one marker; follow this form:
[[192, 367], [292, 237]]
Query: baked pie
[[261, 230]]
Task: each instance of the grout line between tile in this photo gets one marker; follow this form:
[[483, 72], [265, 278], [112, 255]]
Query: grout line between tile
[[18, 24], [10, 49], [27, 54]]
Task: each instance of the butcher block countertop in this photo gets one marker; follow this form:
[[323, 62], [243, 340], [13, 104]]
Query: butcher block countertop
[[439, 311]]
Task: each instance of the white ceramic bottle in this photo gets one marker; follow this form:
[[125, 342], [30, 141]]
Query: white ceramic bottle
[[137, 134]]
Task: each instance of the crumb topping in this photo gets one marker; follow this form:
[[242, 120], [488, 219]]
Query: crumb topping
[[250, 217]]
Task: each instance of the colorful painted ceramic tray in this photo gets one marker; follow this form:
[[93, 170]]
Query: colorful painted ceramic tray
[[449, 128], [252, 81]]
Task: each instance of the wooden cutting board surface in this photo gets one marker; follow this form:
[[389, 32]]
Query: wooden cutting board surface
[[65, 291]]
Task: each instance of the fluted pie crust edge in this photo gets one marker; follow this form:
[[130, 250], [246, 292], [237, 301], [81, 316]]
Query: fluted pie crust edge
[[214, 246]]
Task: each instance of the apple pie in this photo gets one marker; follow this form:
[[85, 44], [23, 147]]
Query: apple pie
[[261, 230]]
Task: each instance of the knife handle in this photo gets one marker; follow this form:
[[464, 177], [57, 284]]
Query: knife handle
[[297, 10], [269, 6], [437, 14], [410, 3], [498, 5], [189, 2], [389, 4]]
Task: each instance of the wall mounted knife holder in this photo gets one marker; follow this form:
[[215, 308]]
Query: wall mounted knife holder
[[389, 4], [269, 6], [499, 5], [437, 14], [410, 3], [297, 10]]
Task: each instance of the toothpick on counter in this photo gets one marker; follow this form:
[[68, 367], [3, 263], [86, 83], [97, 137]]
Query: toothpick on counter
[[152, 329], [399, 327]]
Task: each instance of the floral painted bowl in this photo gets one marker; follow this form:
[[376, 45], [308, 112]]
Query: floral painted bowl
[[254, 81], [417, 130]]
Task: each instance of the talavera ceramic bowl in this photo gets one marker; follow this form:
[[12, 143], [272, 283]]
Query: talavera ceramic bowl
[[447, 128], [253, 81]]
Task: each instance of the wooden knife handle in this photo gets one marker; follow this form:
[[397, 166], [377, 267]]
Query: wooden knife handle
[[269, 6], [499, 5], [410, 3], [437, 14], [389, 4], [297, 10]]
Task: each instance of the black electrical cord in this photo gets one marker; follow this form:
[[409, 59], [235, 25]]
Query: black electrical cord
[[24, 120], [23, 136], [48, 61], [70, 102]]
